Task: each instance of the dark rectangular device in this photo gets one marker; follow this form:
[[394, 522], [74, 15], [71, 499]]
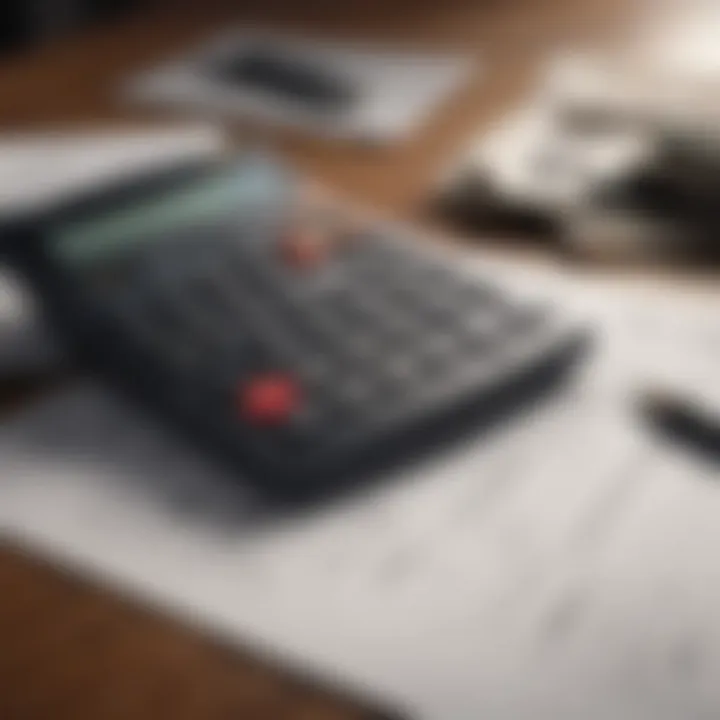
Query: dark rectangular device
[[288, 78], [304, 349]]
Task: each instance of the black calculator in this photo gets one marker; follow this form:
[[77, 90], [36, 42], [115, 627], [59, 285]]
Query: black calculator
[[304, 345]]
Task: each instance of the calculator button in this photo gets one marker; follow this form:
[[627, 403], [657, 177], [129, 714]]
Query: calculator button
[[305, 249], [269, 399]]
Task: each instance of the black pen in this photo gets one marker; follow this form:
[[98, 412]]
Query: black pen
[[684, 421]]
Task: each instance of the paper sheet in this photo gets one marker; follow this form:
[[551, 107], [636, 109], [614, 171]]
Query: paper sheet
[[563, 568], [40, 168]]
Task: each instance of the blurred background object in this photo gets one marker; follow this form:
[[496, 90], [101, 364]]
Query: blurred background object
[[614, 156], [26, 22], [604, 181], [332, 88]]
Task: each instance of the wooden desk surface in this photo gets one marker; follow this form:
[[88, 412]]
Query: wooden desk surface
[[68, 650]]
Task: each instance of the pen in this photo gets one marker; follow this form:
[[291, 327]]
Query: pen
[[684, 421]]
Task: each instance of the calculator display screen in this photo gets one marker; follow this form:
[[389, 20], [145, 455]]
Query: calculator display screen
[[246, 187]]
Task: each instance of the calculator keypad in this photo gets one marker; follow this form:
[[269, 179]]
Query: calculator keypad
[[298, 344]]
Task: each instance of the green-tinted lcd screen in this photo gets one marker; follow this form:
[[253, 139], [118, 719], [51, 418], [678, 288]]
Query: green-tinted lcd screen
[[247, 186]]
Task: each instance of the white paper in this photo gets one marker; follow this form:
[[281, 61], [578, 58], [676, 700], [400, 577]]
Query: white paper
[[563, 568], [396, 88], [41, 168]]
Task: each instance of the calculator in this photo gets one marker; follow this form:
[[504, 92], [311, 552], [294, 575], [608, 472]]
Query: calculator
[[305, 345]]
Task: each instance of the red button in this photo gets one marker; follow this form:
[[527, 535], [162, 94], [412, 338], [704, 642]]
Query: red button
[[269, 399], [305, 249]]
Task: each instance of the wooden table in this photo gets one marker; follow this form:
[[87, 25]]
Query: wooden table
[[68, 650]]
